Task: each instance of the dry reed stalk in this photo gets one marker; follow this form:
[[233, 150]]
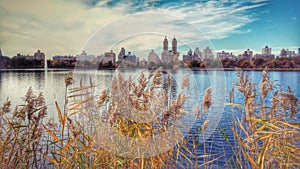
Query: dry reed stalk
[[196, 111], [206, 102], [231, 95]]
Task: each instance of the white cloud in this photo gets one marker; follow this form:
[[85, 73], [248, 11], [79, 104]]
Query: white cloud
[[64, 26], [56, 27]]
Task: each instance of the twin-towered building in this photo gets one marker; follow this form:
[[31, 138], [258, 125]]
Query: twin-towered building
[[169, 56]]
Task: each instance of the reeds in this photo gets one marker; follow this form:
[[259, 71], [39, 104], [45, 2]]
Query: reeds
[[113, 129], [21, 133], [78, 139], [267, 138]]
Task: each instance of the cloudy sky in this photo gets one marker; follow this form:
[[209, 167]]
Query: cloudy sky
[[70, 26]]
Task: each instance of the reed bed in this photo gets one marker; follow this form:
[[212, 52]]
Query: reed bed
[[106, 131], [131, 125], [267, 136]]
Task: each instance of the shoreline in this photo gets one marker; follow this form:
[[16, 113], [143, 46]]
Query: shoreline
[[249, 69], [194, 69]]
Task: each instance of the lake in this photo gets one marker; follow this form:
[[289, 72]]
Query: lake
[[15, 83]]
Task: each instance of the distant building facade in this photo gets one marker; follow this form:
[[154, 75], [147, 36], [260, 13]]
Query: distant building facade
[[109, 57], [197, 53], [169, 56], [191, 56], [226, 55], [248, 54], [266, 53], [283, 53], [64, 58], [153, 57], [130, 58], [39, 55], [85, 57], [36, 56], [286, 53], [207, 54], [188, 57], [121, 54], [291, 53]]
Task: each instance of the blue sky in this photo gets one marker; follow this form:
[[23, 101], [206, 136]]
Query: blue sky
[[277, 24], [70, 26]]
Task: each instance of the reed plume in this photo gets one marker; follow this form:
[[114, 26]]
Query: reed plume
[[185, 81], [196, 111], [265, 85], [69, 79], [206, 102]]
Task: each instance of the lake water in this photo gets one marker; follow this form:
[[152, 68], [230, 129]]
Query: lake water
[[15, 83]]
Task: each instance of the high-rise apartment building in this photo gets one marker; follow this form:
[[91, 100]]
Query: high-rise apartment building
[[168, 56], [266, 50]]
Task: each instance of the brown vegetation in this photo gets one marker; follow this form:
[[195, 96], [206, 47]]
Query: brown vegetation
[[268, 136], [112, 130]]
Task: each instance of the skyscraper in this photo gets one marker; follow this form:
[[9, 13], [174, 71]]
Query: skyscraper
[[197, 53], [174, 46], [165, 44], [121, 54]]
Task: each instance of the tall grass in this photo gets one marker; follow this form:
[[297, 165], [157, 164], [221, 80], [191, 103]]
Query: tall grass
[[114, 129], [267, 136], [90, 130]]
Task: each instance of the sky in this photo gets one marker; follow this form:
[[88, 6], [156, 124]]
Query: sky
[[67, 27]]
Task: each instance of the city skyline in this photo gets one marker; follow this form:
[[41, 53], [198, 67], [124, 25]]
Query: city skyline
[[214, 53], [64, 27], [168, 54]]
